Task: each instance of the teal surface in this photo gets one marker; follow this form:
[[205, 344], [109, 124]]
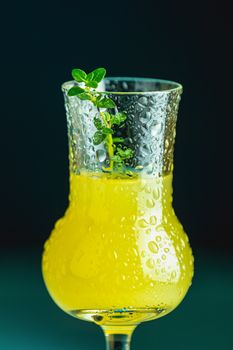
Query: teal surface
[[30, 320]]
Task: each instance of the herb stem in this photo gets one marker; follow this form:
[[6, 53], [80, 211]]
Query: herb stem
[[118, 153], [110, 151], [109, 142]]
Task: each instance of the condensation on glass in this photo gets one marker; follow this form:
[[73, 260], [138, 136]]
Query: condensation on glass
[[151, 107]]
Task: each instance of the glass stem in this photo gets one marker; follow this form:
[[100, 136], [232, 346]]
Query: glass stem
[[118, 341]]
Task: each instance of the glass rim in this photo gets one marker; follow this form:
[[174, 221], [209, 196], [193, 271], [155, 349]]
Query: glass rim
[[175, 87]]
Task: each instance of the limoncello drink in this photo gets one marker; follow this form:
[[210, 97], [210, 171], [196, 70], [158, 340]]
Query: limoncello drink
[[119, 252]]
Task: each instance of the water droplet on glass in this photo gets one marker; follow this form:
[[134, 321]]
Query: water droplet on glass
[[142, 223], [153, 247], [135, 251], [143, 121], [166, 250], [166, 143], [150, 263], [164, 257], [159, 228], [130, 140], [191, 261], [143, 253], [101, 155], [156, 193], [184, 267], [156, 129], [125, 86], [143, 101], [150, 169], [173, 274], [182, 243], [147, 189], [139, 167], [153, 220], [133, 218], [150, 203], [158, 238], [148, 231]]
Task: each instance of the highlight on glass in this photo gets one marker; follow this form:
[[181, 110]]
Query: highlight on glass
[[119, 256]]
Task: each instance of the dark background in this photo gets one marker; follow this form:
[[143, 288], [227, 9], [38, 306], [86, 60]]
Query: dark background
[[41, 41]]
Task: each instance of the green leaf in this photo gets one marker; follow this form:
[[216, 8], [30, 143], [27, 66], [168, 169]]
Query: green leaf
[[118, 140], [129, 173], [85, 96], [121, 116], [75, 90], [106, 116], [107, 131], [98, 123], [105, 102], [116, 159], [118, 118], [99, 74], [79, 75], [125, 154], [90, 76], [98, 137], [92, 84], [98, 99]]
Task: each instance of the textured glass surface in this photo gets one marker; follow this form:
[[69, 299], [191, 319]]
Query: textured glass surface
[[120, 256], [151, 107]]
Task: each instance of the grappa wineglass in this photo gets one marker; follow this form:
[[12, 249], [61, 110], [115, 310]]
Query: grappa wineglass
[[119, 256]]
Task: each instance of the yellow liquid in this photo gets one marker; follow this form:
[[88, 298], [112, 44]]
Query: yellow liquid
[[119, 252]]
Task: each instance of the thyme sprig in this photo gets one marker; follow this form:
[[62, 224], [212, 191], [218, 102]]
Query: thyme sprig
[[108, 123]]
